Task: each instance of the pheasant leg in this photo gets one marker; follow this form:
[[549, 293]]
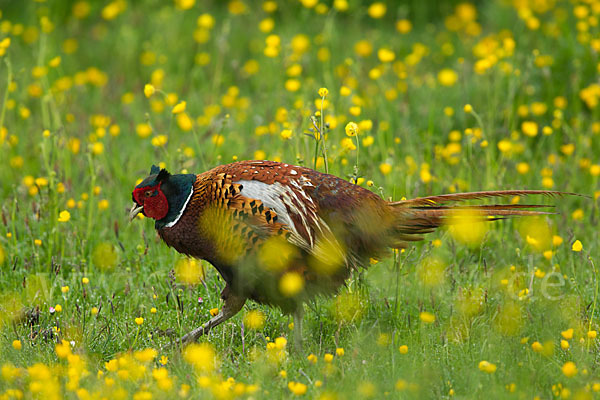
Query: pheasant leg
[[233, 304], [298, 316]]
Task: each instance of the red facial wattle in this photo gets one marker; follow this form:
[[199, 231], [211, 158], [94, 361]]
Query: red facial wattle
[[154, 201]]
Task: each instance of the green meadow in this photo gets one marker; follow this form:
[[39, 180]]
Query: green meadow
[[446, 98]]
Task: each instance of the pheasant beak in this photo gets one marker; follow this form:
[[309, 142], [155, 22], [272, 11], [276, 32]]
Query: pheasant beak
[[135, 210]]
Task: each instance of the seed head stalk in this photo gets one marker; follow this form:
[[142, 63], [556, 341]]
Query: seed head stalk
[[595, 300], [320, 130]]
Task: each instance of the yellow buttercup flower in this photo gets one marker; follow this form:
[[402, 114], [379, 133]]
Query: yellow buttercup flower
[[592, 334], [352, 129], [427, 317], [179, 107], [403, 26], [377, 10], [447, 77], [488, 367], [286, 134], [149, 90], [529, 128], [254, 320], [64, 216], [291, 283], [297, 388], [569, 369], [385, 168], [143, 130], [386, 55]]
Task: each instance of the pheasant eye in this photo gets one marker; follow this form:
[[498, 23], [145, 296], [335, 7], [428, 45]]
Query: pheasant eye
[[148, 193]]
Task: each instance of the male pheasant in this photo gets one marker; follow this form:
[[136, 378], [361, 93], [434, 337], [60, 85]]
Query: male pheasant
[[280, 234]]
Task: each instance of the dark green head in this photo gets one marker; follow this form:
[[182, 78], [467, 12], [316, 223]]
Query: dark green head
[[162, 196]]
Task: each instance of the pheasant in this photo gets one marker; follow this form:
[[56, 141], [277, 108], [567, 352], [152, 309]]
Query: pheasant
[[280, 234]]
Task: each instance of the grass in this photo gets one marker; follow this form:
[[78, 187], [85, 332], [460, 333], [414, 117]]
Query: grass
[[78, 131]]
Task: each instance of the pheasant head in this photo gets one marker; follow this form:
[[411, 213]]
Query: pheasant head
[[162, 196]]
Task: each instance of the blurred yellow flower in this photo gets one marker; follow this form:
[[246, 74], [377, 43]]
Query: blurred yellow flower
[[103, 204], [179, 108], [105, 256], [149, 90], [348, 144], [97, 148], [488, 367], [189, 271], [523, 168], [537, 347], [81, 9], [297, 388], [467, 227], [529, 128], [427, 317], [16, 344], [377, 10], [592, 334], [63, 349], [569, 369], [403, 26], [143, 130], [386, 55], [291, 283], [286, 134], [184, 4], [159, 141], [139, 320], [447, 77], [340, 5], [64, 216], [292, 85], [113, 9], [577, 246], [202, 356], [266, 25], [254, 320], [54, 62], [184, 122], [385, 168]]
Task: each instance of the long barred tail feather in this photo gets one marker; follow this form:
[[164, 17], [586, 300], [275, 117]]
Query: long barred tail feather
[[433, 200], [424, 214]]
